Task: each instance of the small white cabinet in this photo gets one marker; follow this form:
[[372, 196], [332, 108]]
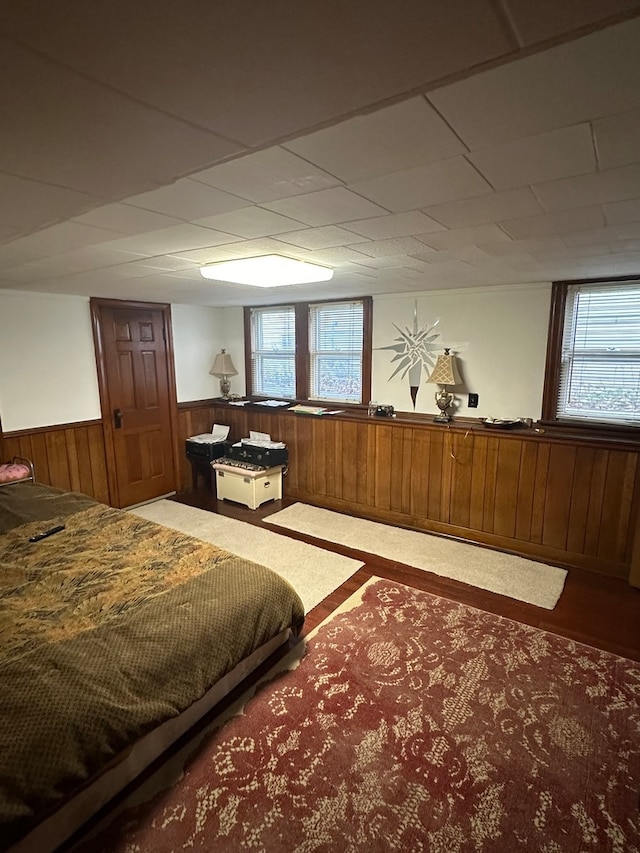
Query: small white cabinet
[[248, 487]]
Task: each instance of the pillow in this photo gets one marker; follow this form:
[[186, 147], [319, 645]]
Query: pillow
[[14, 471]]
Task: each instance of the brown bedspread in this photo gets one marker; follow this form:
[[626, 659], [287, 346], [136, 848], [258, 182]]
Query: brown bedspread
[[107, 629], [22, 502]]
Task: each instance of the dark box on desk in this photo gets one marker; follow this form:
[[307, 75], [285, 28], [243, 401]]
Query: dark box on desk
[[205, 450], [266, 457]]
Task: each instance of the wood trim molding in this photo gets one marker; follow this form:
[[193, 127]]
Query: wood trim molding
[[554, 348], [16, 433]]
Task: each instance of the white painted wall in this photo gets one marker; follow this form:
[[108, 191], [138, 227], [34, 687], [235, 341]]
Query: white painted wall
[[48, 373], [47, 363], [198, 334], [498, 334]]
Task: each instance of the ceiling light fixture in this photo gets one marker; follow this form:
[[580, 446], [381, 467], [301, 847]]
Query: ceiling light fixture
[[267, 271]]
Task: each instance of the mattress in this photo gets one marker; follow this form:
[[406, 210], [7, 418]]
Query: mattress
[[108, 628]]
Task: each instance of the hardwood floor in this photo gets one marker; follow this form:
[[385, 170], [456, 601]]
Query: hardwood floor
[[594, 609]]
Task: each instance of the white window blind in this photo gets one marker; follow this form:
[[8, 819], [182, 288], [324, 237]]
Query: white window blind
[[335, 351], [273, 352], [600, 360]]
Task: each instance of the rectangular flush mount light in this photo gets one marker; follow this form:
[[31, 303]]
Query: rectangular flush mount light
[[267, 271]]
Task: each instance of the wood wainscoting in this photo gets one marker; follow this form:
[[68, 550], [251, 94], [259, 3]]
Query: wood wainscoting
[[68, 456], [566, 501]]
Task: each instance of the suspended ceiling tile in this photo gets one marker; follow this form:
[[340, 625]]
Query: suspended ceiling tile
[[322, 238], [250, 222], [8, 233], [395, 246], [501, 248], [125, 219], [559, 222], [620, 212], [575, 82], [424, 186], [18, 252], [284, 66], [465, 237], [628, 248], [67, 236], [394, 225], [391, 139], [486, 209], [246, 249], [336, 256], [187, 200], [171, 240], [468, 253], [27, 273], [617, 140], [167, 263], [27, 205], [597, 188], [326, 207], [267, 175], [557, 154], [604, 236], [131, 270], [545, 19], [96, 140], [571, 253], [79, 260], [384, 262]]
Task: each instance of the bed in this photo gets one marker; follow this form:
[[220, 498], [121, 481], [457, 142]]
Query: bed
[[117, 635]]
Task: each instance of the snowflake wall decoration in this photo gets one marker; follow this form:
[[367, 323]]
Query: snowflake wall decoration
[[413, 351]]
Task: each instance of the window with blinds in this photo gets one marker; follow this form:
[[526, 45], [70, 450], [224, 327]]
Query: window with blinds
[[600, 358], [311, 351], [335, 351], [273, 352]]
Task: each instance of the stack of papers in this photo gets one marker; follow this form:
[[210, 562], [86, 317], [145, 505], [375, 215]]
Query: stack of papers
[[217, 434], [314, 410]]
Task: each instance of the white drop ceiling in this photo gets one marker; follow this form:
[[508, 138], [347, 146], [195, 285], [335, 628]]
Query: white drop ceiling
[[411, 146]]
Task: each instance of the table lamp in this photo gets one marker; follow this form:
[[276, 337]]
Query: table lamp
[[224, 368], [444, 373]]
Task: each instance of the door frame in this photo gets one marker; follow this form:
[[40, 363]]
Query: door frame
[[95, 304]]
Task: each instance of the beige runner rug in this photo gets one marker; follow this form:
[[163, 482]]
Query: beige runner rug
[[525, 580], [313, 572]]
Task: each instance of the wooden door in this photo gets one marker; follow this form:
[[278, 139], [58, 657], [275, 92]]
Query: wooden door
[[137, 392]]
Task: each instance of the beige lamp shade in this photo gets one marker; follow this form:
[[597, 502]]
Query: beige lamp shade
[[223, 366], [445, 371]]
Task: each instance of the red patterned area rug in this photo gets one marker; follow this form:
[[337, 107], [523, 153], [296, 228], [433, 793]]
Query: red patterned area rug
[[414, 723]]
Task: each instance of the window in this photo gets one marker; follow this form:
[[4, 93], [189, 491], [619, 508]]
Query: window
[[273, 350], [593, 363], [335, 351], [310, 351]]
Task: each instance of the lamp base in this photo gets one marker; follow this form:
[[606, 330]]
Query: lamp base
[[444, 400], [225, 388]]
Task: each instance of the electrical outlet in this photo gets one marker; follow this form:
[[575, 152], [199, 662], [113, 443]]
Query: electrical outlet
[[473, 401]]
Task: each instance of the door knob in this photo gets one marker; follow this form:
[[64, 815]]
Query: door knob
[[117, 418]]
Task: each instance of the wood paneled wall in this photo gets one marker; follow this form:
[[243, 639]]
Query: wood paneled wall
[[551, 498], [71, 456], [571, 502]]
